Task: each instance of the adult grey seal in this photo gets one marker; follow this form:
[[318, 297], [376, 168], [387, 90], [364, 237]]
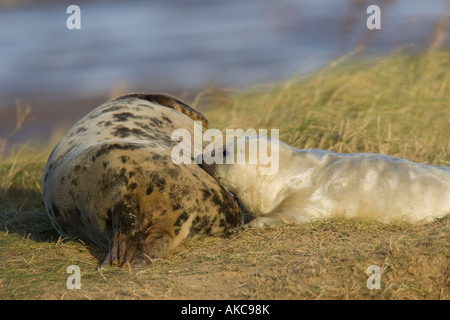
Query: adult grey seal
[[110, 181]]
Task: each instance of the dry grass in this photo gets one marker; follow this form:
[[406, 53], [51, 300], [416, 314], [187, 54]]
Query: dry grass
[[22, 112], [322, 260], [397, 105]]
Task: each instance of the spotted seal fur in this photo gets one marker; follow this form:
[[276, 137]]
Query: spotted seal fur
[[110, 181]]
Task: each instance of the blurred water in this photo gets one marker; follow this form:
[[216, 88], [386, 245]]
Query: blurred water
[[159, 45]]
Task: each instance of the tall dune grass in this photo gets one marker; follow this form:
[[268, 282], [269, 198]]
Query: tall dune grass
[[398, 105]]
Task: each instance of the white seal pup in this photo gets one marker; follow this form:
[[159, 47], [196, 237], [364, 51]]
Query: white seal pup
[[310, 184]]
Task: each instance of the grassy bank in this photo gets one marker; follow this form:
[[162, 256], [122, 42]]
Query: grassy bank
[[397, 105]]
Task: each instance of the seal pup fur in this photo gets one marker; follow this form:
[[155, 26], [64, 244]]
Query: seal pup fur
[[311, 184], [110, 181]]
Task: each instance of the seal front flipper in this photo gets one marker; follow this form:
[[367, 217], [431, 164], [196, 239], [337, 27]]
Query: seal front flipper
[[122, 251], [157, 245], [126, 245], [125, 249], [169, 102]]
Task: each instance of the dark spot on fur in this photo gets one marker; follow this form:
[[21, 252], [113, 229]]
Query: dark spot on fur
[[108, 123], [124, 159], [159, 182], [80, 130], [185, 192], [173, 173], [125, 217], [216, 199], [149, 190], [124, 132], [200, 225], [181, 219], [111, 109], [176, 206], [206, 194], [113, 178], [222, 223], [132, 186], [140, 171], [174, 194], [107, 148], [144, 126], [156, 122], [167, 119], [122, 116], [122, 176], [52, 164], [109, 214]]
